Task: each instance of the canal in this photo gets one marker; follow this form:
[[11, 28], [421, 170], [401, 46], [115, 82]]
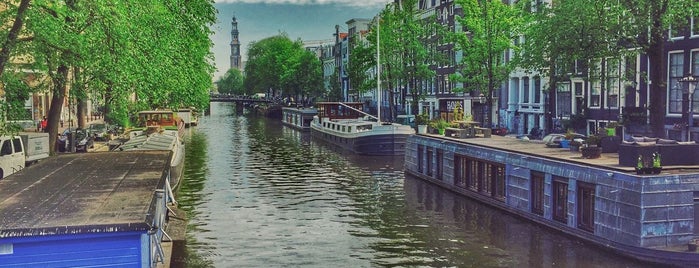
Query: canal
[[258, 194]]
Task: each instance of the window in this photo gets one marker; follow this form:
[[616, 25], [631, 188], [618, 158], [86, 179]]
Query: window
[[537, 193], [472, 179], [586, 206], [498, 178], [675, 69], [525, 90], [695, 72], [560, 200], [460, 171], [595, 94], [438, 164], [17, 143], [6, 148], [563, 99], [429, 161], [420, 156], [537, 89], [484, 177], [612, 83]]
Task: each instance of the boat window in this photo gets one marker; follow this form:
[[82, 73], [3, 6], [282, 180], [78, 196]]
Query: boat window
[[560, 200], [344, 128], [363, 128], [586, 206], [537, 192]]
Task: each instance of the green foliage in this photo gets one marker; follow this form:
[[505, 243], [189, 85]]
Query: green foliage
[[282, 65], [334, 91], [231, 82], [490, 26], [157, 51], [439, 123]]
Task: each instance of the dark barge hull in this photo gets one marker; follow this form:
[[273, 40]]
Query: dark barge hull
[[624, 202], [380, 145]]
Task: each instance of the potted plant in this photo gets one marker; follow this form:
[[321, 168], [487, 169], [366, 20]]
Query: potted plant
[[611, 127], [565, 142], [591, 148], [439, 124], [421, 120]]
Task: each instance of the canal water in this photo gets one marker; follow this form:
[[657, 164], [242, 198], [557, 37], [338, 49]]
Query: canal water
[[259, 194]]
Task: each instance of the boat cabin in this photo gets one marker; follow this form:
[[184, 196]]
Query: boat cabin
[[336, 110], [164, 118]]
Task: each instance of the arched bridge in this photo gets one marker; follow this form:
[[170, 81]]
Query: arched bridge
[[237, 98]]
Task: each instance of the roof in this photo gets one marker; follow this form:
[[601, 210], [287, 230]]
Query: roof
[[83, 193]]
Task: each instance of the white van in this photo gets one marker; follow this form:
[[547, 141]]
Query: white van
[[11, 155]]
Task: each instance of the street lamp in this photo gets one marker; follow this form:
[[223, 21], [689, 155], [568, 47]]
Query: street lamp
[[691, 85]]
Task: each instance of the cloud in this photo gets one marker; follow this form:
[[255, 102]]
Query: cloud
[[353, 3]]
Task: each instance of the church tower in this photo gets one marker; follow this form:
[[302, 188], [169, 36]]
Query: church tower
[[235, 46]]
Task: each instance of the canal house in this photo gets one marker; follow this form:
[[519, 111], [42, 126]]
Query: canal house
[[650, 217], [104, 209]]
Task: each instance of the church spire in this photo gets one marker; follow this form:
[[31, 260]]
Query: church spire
[[235, 46]]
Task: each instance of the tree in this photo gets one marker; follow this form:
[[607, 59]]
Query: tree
[[490, 26], [231, 82], [648, 27], [334, 91], [157, 51], [558, 36], [276, 63], [405, 51]]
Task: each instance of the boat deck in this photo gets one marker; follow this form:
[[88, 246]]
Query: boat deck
[[80, 193], [538, 149]]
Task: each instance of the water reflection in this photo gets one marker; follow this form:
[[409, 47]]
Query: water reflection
[[259, 194]]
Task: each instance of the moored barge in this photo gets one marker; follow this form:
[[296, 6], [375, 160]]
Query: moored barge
[[102, 209], [346, 125], [650, 217], [298, 118]]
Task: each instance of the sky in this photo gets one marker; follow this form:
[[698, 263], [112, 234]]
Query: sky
[[299, 19]]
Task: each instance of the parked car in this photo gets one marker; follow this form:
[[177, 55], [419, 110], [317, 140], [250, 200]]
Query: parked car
[[83, 140], [554, 140], [99, 131]]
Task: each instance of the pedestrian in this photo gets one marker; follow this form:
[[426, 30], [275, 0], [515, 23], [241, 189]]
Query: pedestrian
[[44, 124]]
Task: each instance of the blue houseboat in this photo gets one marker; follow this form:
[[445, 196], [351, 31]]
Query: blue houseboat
[[651, 217], [86, 210]]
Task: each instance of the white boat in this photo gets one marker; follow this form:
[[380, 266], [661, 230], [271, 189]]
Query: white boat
[[160, 130], [298, 118], [160, 141], [344, 124]]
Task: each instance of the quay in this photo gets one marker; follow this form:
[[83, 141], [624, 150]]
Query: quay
[[89, 209], [650, 217]]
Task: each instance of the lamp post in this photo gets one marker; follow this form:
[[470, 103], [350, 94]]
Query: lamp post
[[691, 85]]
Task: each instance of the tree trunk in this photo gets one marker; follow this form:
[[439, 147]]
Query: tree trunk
[[54, 116], [657, 88], [12, 35]]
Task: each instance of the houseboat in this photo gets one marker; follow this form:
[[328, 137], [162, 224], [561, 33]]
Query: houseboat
[[157, 130], [298, 118], [650, 217], [167, 120], [159, 141], [346, 125], [101, 209]]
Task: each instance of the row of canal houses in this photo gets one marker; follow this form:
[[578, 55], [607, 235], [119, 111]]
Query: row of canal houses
[[520, 103]]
